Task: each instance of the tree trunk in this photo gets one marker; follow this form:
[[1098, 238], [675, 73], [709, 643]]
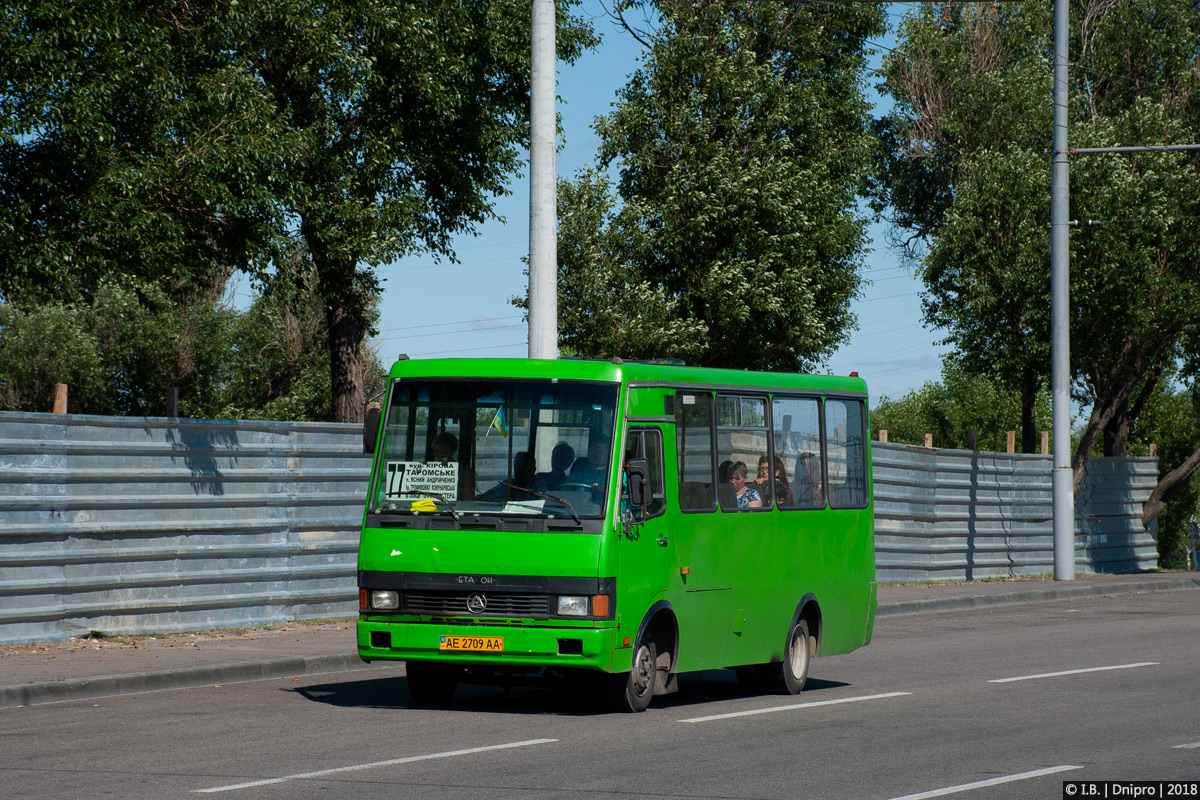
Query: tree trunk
[[346, 330], [1116, 434], [1171, 485], [1029, 434]]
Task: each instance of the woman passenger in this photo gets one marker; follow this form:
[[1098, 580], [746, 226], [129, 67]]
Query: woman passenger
[[746, 497]]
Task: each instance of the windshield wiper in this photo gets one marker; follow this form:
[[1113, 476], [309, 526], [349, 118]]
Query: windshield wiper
[[536, 493], [435, 496]]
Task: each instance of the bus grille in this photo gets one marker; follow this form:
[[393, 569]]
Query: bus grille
[[498, 604]]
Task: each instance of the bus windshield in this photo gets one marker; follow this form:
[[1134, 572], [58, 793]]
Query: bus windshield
[[469, 446]]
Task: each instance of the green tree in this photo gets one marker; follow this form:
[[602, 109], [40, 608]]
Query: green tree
[[966, 173], [133, 145], [118, 354], [48, 345], [277, 364], [174, 143], [731, 237], [412, 116], [953, 407], [1172, 422]]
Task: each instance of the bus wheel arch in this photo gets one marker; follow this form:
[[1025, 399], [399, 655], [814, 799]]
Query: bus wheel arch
[[800, 648], [810, 610], [787, 672], [651, 663], [660, 626]]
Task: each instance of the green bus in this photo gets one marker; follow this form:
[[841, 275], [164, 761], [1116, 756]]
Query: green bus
[[623, 522]]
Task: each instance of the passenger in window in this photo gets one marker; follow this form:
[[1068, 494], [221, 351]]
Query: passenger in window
[[443, 450], [523, 468], [808, 481], [783, 490], [444, 446], [590, 470], [561, 459], [746, 497]]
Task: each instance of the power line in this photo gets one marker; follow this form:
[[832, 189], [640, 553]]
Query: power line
[[470, 349]]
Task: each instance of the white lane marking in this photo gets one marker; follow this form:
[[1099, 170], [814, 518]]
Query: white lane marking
[[1190, 746], [1075, 672], [1024, 776], [795, 706], [390, 763]]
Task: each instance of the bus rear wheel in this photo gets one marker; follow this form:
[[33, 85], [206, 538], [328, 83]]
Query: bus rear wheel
[[431, 685], [633, 690], [792, 673]]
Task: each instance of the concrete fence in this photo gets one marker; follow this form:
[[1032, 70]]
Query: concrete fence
[[137, 525]]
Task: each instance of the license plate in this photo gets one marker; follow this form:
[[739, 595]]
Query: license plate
[[487, 644]]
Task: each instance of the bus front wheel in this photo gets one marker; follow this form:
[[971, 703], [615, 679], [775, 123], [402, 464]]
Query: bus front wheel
[[431, 685], [633, 690]]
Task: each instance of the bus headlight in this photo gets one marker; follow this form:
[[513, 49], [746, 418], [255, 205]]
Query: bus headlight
[[385, 601], [570, 605]]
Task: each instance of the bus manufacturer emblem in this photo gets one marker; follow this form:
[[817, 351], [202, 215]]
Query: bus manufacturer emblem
[[476, 603]]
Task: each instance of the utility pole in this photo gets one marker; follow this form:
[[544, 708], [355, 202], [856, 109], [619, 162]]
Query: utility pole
[[1060, 348], [543, 174]]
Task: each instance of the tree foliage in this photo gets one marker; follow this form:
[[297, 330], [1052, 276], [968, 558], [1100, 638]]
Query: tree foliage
[[730, 237], [967, 170], [132, 146], [120, 354], [1171, 421], [172, 143], [412, 115], [952, 408]]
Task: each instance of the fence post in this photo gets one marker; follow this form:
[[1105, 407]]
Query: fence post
[[60, 398], [173, 402], [1010, 442], [1045, 443], [929, 440], [883, 434], [973, 439]]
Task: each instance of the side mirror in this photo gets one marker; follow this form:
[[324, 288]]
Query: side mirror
[[371, 428], [637, 473]]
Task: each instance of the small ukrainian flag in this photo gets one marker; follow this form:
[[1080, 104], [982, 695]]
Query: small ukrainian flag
[[499, 423]]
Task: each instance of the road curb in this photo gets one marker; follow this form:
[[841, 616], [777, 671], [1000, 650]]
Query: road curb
[[1066, 591], [131, 683]]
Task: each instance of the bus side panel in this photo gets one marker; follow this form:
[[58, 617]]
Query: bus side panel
[[701, 589], [850, 565], [778, 559]]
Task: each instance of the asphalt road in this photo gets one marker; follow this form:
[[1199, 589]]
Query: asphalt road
[[1005, 702]]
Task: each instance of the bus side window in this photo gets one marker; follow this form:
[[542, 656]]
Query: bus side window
[[694, 438], [844, 442], [647, 443], [797, 434], [742, 440]]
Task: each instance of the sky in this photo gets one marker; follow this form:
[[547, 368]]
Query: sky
[[442, 309]]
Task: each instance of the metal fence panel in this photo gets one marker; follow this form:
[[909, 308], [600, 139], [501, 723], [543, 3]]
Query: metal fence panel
[[964, 515], [133, 525]]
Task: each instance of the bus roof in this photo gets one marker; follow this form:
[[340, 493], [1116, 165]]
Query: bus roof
[[621, 371]]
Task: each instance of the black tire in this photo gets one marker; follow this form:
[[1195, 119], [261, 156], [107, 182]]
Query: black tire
[[790, 676], [431, 685], [632, 691]]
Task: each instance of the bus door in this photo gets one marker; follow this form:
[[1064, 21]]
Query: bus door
[[703, 541], [645, 539]]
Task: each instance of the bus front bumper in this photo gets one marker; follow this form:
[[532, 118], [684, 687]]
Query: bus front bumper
[[520, 646]]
